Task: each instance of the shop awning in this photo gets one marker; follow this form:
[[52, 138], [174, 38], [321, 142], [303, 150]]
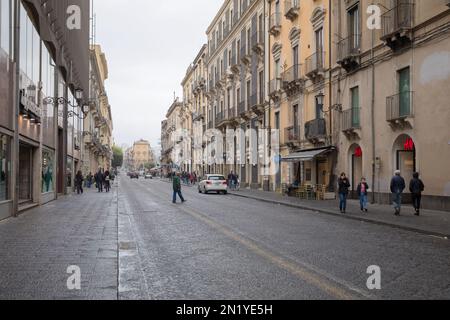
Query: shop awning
[[307, 155]]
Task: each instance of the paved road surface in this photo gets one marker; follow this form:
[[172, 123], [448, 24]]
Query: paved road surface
[[135, 244]]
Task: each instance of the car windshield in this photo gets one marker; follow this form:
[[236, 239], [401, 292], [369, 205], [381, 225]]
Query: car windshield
[[216, 178]]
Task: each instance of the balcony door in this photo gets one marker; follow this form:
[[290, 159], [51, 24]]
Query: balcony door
[[354, 28], [295, 61], [296, 124], [404, 91], [319, 48]]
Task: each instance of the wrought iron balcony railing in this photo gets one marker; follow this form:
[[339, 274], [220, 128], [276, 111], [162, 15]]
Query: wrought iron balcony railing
[[400, 106], [316, 129], [349, 47], [292, 8], [397, 20], [351, 119], [314, 63]]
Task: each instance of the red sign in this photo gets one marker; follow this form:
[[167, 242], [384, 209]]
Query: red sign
[[409, 145], [358, 152]]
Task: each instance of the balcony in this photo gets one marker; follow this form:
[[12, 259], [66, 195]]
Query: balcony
[[292, 135], [293, 80], [399, 110], [219, 118], [292, 9], [316, 130], [234, 64], [351, 122], [275, 89], [314, 65], [396, 26], [275, 24], [258, 42], [246, 56], [241, 108], [349, 51]]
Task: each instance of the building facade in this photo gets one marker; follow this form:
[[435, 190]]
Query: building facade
[[98, 123], [237, 86], [44, 103], [392, 86], [345, 85]]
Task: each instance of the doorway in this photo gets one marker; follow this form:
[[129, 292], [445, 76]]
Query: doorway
[[25, 174]]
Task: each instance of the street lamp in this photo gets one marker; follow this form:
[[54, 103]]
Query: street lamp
[[320, 98]]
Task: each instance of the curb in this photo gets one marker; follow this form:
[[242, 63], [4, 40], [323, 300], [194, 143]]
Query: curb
[[361, 219]]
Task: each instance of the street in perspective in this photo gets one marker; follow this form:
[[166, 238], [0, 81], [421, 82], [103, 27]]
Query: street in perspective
[[267, 151]]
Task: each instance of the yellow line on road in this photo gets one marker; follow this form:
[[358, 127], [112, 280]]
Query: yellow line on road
[[321, 283], [330, 287]]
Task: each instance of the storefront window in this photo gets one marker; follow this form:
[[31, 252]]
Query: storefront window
[[48, 166], [69, 171], [5, 29], [5, 167]]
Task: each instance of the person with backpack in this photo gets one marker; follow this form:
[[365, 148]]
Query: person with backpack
[[416, 187], [363, 191], [107, 180]]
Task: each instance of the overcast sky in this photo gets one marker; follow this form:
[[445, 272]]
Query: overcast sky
[[149, 45]]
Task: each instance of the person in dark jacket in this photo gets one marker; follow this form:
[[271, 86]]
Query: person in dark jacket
[[363, 191], [107, 180], [79, 182], [398, 185], [416, 187], [177, 188], [344, 187], [99, 180]]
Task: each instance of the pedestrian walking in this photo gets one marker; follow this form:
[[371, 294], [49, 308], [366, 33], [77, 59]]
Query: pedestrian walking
[[89, 180], [344, 187], [231, 180], [79, 182], [397, 187], [177, 188], [416, 187], [107, 180], [99, 180], [363, 191]]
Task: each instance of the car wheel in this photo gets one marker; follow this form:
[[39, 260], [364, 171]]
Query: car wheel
[[225, 192]]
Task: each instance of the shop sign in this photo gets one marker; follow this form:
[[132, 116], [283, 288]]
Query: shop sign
[[409, 145]]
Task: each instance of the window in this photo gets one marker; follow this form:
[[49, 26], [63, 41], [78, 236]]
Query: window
[[5, 167], [354, 27], [5, 19], [277, 69], [249, 42], [48, 167], [295, 116], [261, 87], [405, 92], [249, 88], [238, 47], [319, 47], [355, 107], [277, 120]]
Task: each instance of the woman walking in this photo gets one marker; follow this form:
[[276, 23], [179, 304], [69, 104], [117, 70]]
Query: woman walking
[[344, 186], [363, 189], [107, 179]]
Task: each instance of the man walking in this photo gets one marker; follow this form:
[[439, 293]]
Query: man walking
[[177, 188], [79, 182], [99, 180], [344, 187], [416, 187], [397, 187]]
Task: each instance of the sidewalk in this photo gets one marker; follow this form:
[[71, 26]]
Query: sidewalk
[[436, 223]]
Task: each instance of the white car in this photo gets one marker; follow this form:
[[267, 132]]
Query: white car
[[148, 176], [213, 183]]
